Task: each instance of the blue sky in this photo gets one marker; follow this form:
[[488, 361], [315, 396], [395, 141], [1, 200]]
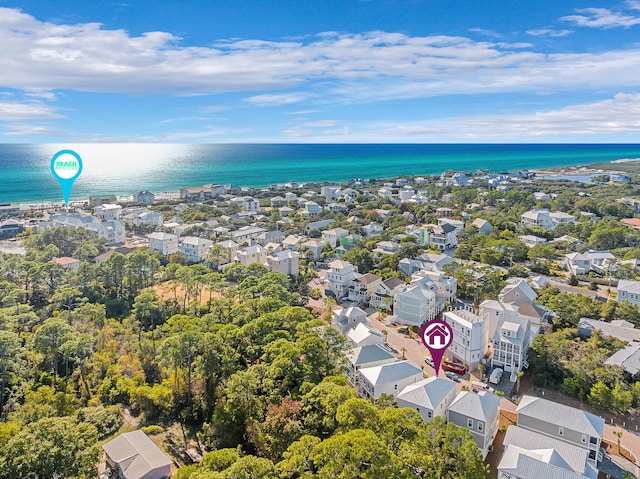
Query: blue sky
[[319, 71]]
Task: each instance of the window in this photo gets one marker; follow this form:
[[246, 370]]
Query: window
[[429, 414], [561, 431], [470, 423], [593, 440], [480, 426]]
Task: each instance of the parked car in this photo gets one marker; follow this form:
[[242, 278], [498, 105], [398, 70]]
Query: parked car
[[480, 386], [453, 376], [454, 367], [429, 361], [496, 376]]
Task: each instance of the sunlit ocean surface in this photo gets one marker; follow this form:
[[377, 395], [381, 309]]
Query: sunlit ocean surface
[[123, 169]]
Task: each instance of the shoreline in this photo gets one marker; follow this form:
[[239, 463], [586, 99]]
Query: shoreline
[[580, 173]]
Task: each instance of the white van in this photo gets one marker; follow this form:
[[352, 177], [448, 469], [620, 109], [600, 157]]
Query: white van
[[479, 386], [496, 375]]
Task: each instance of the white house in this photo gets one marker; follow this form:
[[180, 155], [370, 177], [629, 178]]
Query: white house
[[470, 337], [561, 218], [629, 291], [133, 455], [577, 263], [164, 243], [311, 209], [108, 211], [602, 262], [528, 455], [246, 204], [67, 263], [142, 217], [414, 304], [363, 287], [195, 249], [442, 237], [530, 240], [286, 262], [510, 344], [246, 234], [363, 335], [382, 296], [431, 397], [112, 231], [565, 423], [339, 277], [144, 196], [372, 229], [346, 318], [333, 236], [252, 254], [479, 413], [388, 378], [329, 191], [366, 356]]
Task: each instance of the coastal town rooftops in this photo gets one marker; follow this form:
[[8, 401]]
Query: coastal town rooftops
[[371, 353], [576, 458], [628, 358], [521, 463], [482, 406], [390, 372], [428, 393], [136, 456], [629, 286], [558, 414]]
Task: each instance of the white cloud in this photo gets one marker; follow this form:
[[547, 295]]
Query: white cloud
[[277, 99], [548, 32], [44, 57], [321, 123], [602, 18], [12, 111], [618, 115]]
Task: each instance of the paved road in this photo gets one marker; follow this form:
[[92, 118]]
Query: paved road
[[415, 351]]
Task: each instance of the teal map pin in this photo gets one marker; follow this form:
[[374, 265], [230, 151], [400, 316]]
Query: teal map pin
[[66, 166]]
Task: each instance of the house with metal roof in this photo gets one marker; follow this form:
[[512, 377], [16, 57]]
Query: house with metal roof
[[366, 356], [134, 456], [387, 379], [530, 455], [562, 422], [430, 397], [479, 413], [363, 334]]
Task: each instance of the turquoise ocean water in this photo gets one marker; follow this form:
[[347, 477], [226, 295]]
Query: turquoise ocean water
[[123, 169]]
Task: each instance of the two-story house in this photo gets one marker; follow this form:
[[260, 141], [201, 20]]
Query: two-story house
[[369, 355], [164, 243], [431, 397], [479, 413], [195, 249], [388, 378], [565, 423]]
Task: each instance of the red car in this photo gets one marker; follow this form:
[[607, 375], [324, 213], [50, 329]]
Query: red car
[[454, 367]]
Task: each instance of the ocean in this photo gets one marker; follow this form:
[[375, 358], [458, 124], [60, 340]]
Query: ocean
[[123, 169]]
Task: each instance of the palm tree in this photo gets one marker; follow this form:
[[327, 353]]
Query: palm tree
[[519, 374], [403, 350], [618, 434]]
